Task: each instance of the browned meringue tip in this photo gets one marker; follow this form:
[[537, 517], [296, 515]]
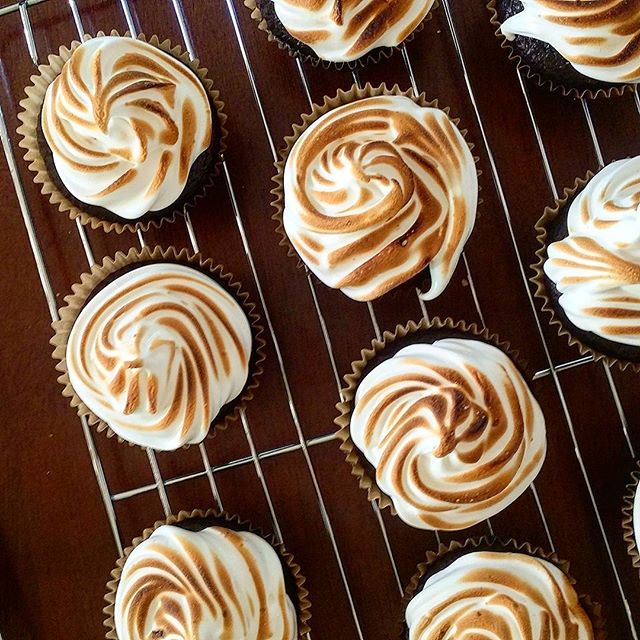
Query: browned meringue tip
[[547, 83], [446, 553], [538, 279], [381, 53], [28, 130], [224, 519], [90, 281], [628, 525], [341, 98], [360, 467]]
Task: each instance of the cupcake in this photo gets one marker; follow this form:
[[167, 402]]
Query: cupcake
[[157, 346], [588, 272], [631, 517], [376, 188], [584, 48], [331, 32], [122, 132], [206, 576], [439, 423], [483, 589]]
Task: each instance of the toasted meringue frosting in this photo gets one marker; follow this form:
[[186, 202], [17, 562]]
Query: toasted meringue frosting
[[214, 584], [596, 268], [600, 38], [345, 30], [125, 122], [636, 516], [376, 191], [487, 595], [453, 431], [158, 352]]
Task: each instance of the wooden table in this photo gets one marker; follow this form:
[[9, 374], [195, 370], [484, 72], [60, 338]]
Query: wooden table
[[70, 497]]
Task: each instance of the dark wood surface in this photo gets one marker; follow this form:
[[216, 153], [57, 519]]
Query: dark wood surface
[[56, 546]]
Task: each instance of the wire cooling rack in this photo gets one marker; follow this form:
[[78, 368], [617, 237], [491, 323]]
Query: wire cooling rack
[[454, 24]]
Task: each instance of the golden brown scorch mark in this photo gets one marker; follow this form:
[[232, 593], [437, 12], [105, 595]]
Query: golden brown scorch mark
[[374, 140], [488, 437], [144, 83], [198, 332]]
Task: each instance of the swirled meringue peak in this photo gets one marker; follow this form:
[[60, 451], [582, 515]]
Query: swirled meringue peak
[[125, 122], [486, 595], [345, 30], [213, 584], [599, 38], [377, 190], [158, 352], [596, 268], [453, 432]]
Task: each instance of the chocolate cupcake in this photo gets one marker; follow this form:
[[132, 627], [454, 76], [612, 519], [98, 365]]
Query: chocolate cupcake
[[585, 49], [339, 33], [122, 132], [439, 424], [158, 347], [631, 517], [487, 588], [377, 187], [588, 273], [206, 576]]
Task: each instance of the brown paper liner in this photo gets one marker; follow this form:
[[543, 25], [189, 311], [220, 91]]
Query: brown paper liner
[[432, 330], [542, 292], [628, 528], [374, 56], [318, 110], [30, 116], [289, 565], [107, 271], [446, 554], [547, 83]]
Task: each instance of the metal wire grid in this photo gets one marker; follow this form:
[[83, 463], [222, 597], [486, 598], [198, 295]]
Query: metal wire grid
[[160, 484]]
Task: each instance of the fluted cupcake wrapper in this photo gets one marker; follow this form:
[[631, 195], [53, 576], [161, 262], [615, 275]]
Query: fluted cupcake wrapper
[[92, 280], [380, 53], [628, 525], [447, 553], [547, 83], [222, 519], [428, 331], [35, 155], [319, 110], [541, 289]]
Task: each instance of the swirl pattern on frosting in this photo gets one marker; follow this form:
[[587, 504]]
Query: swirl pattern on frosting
[[487, 595], [213, 584], [376, 191], [125, 122], [600, 38], [345, 30], [596, 268], [158, 352], [453, 431]]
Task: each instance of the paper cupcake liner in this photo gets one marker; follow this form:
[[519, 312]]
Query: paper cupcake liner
[[35, 155], [628, 528], [541, 289], [109, 270], [570, 92], [219, 518], [445, 554], [389, 344], [318, 110], [374, 56]]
